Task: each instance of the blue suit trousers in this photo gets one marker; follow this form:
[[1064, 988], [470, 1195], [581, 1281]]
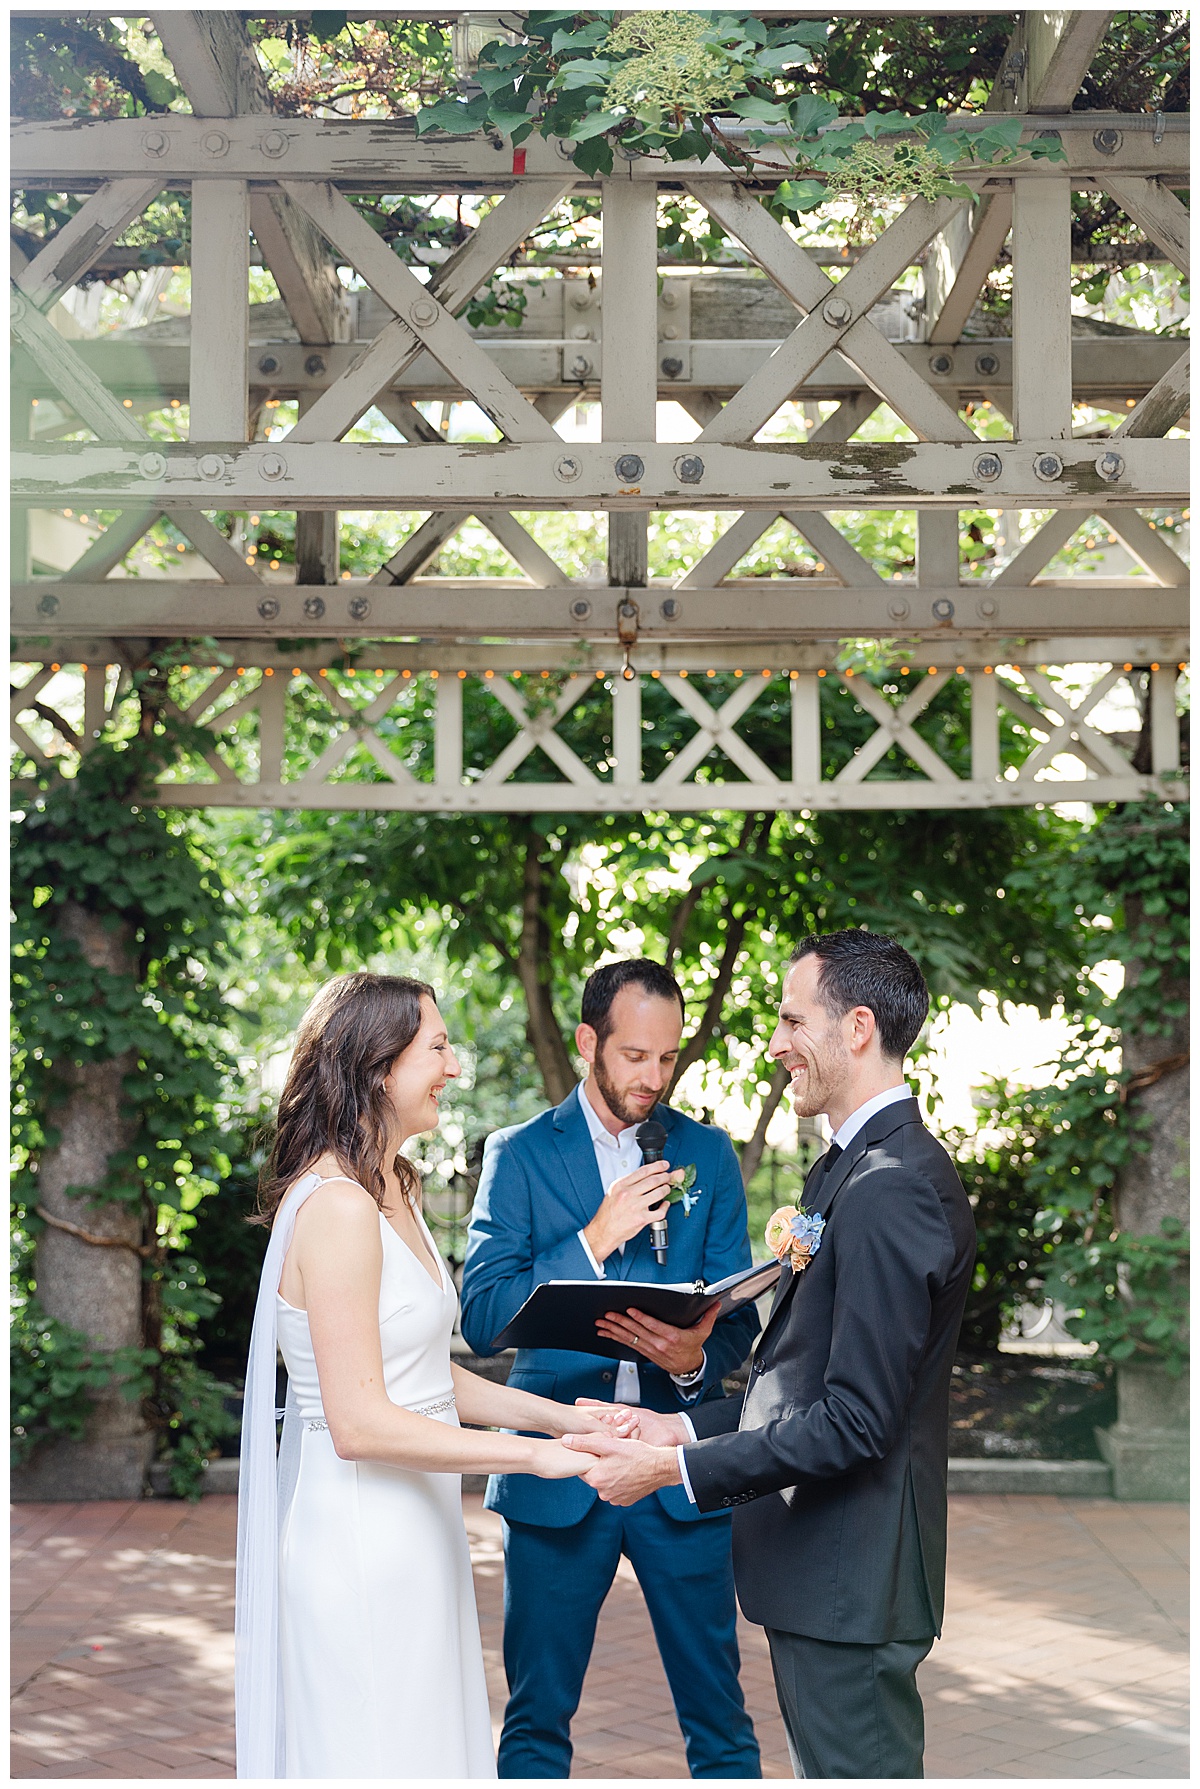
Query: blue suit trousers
[[555, 1580]]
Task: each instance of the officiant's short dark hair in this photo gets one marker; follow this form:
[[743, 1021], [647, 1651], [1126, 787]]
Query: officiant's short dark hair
[[603, 985], [869, 969]]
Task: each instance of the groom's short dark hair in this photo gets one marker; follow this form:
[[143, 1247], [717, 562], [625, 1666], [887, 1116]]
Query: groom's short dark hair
[[868, 969], [604, 984]]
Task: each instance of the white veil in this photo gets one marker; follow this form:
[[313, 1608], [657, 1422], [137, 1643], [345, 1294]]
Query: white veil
[[265, 1487]]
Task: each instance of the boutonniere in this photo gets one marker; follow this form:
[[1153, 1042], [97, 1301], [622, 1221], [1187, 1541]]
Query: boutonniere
[[793, 1235], [680, 1193]]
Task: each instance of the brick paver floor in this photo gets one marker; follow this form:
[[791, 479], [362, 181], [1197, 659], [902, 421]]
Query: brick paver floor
[[1064, 1653]]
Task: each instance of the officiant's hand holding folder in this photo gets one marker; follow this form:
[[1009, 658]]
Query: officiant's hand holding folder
[[563, 1313]]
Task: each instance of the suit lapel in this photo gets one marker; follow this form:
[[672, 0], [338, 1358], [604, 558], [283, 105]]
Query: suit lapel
[[580, 1184], [881, 1125]]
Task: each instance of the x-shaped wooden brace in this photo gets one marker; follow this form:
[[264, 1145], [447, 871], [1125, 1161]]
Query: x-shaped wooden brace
[[359, 731], [1071, 734], [27, 697], [538, 730], [895, 728], [424, 314], [837, 316], [97, 407], [714, 729]]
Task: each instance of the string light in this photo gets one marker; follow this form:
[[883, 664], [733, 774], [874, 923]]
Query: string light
[[350, 672], [656, 674], [987, 670], [127, 403], [254, 521], [766, 673], [600, 676], [933, 670], [85, 518], [710, 673], [545, 673], [274, 565], [174, 403], [821, 673], [492, 673], [56, 667], [84, 667], [434, 675], [960, 669], [793, 675], [295, 670], [406, 673], [1154, 667], [904, 671], [462, 673], [345, 575], [322, 672], [241, 670], [683, 673], [736, 673]]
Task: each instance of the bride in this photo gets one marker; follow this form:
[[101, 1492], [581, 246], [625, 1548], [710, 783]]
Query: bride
[[358, 1650]]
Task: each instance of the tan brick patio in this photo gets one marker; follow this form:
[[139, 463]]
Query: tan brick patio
[[1064, 1653]]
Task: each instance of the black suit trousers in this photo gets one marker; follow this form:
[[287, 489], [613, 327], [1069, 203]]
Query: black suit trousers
[[850, 1710]]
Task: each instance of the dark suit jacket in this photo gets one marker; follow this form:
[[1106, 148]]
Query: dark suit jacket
[[837, 1472], [539, 1187]]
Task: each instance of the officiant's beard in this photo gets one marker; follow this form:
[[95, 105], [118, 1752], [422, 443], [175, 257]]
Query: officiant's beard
[[618, 1101]]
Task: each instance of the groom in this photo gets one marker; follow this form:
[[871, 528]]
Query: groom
[[835, 1462], [567, 1197]]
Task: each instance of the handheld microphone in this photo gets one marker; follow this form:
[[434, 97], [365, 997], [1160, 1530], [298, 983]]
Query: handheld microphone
[[652, 1141]]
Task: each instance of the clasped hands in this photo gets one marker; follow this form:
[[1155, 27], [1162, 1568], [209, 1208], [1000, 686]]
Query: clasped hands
[[638, 1455]]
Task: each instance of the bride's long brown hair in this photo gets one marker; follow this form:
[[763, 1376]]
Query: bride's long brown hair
[[333, 1100]]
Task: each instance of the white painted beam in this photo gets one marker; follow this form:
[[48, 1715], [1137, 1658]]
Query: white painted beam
[[629, 381], [385, 155], [74, 248], [584, 475], [748, 614], [220, 346], [1041, 253]]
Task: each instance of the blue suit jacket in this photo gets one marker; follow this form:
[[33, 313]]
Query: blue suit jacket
[[539, 1187]]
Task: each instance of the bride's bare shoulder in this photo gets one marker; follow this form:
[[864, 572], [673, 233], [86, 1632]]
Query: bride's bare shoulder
[[338, 1200]]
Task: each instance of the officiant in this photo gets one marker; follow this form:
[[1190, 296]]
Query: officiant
[[567, 1196]]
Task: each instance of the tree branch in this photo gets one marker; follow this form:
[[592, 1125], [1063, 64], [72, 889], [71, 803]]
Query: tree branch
[[752, 1152]]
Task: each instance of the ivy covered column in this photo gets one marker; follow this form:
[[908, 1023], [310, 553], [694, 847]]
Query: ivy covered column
[[89, 1260], [120, 920]]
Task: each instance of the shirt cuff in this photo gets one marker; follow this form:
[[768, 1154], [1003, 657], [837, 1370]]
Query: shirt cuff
[[690, 1384], [683, 1471], [587, 1249], [689, 1427]]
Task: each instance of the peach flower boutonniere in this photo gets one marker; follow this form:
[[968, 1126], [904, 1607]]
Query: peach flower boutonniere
[[794, 1235]]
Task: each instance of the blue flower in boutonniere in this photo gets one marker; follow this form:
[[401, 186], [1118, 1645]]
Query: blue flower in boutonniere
[[793, 1235], [680, 1192]]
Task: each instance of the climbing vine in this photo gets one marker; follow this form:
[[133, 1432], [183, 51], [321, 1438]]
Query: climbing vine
[[89, 848], [1126, 882], [687, 85]]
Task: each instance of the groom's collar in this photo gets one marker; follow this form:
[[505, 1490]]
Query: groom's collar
[[862, 1115]]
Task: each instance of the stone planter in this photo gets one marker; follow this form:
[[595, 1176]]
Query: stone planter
[[1147, 1447]]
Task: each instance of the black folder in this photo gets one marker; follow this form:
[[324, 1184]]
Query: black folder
[[563, 1313]]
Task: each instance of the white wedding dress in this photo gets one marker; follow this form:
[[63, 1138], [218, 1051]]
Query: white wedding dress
[[379, 1667]]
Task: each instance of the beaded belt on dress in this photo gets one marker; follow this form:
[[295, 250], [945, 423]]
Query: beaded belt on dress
[[319, 1422]]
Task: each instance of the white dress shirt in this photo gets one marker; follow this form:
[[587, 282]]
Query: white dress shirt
[[616, 1157], [842, 1137]]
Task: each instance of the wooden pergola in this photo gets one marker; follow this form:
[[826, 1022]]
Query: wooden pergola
[[731, 349]]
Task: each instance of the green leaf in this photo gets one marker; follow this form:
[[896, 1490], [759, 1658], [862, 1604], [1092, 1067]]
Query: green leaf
[[328, 25], [594, 157], [596, 125], [801, 195], [161, 90], [808, 112], [763, 110]]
